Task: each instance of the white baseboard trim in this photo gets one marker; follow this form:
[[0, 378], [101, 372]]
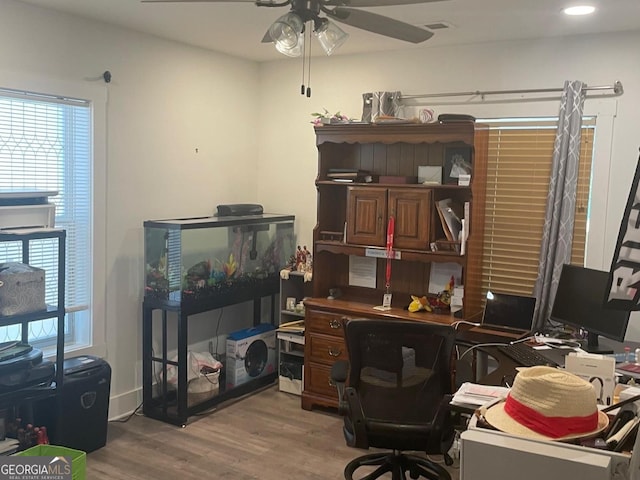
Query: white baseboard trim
[[124, 404]]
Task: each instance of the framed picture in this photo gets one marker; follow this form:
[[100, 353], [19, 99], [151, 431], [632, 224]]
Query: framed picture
[[457, 162], [624, 275]]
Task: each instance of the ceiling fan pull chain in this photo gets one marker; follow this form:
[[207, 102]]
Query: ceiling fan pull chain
[[309, 67], [304, 49]]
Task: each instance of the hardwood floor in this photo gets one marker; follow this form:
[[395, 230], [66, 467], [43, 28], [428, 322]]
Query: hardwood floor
[[264, 436]]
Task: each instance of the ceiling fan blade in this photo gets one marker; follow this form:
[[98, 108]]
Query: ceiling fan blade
[[201, 1], [267, 38], [380, 24], [374, 3]]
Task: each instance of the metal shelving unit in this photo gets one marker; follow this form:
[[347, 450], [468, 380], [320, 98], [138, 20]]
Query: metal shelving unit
[[25, 237]]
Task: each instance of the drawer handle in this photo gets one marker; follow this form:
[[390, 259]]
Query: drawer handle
[[334, 353], [335, 323], [331, 383]]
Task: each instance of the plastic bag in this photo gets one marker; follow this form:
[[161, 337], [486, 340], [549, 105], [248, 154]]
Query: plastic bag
[[196, 362]]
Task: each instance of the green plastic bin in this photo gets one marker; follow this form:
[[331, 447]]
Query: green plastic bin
[[78, 458]]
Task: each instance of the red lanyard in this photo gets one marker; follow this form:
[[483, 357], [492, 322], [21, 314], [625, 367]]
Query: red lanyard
[[390, 230]]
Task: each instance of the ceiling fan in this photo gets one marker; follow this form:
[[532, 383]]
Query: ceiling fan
[[287, 31]]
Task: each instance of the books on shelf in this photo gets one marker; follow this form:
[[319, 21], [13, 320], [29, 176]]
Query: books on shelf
[[343, 180], [445, 246], [350, 175], [464, 235], [450, 213]]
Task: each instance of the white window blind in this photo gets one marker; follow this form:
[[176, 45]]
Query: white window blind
[[46, 144], [519, 166]]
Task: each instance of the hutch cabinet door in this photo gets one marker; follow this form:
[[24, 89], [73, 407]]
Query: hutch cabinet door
[[412, 212], [367, 216]]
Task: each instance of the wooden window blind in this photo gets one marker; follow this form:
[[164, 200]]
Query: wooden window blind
[[519, 165]]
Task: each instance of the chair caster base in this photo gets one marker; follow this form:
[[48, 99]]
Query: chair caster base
[[398, 465]]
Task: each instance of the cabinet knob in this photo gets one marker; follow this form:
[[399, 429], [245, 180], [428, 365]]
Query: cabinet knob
[[335, 323], [334, 353], [331, 383]]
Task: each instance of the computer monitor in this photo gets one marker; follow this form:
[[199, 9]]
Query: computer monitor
[[580, 302]]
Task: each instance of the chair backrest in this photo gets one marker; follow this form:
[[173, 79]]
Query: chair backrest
[[400, 372]]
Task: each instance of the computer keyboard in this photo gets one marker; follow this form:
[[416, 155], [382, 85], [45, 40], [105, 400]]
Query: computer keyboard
[[525, 355]]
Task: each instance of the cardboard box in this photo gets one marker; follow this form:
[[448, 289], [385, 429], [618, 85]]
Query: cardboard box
[[599, 370], [291, 385], [251, 354], [21, 289]]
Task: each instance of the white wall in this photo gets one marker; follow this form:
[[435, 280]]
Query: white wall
[[287, 143], [164, 101], [251, 127]]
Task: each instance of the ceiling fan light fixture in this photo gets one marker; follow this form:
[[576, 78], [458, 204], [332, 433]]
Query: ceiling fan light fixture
[[295, 51], [286, 33], [330, 36]]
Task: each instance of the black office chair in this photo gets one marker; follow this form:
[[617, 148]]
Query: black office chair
[[397, 396]]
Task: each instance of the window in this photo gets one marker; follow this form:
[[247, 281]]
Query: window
[[519, 165], [46, 144]]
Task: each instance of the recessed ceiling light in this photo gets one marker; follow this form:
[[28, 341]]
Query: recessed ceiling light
[[580, 10]]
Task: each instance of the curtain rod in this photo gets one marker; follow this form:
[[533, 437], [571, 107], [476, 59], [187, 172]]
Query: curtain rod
[[616, 87]]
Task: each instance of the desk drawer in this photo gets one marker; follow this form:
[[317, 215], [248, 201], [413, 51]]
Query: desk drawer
[[324, 322], [318, 380], [326, 349]]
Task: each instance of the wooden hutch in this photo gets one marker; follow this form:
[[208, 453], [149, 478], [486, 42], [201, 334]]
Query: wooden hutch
[[352, 219]]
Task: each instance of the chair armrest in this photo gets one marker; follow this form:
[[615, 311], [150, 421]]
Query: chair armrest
[[339, 373], [355, 415], [349, 406], [442, 429]]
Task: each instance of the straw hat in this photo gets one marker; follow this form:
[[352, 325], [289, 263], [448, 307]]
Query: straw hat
[[548, 404]]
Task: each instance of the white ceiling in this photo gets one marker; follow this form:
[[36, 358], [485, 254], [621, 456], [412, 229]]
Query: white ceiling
[[238, 28]]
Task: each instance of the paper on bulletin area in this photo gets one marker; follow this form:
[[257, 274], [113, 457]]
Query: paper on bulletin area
[[362, 271], [441, 273]]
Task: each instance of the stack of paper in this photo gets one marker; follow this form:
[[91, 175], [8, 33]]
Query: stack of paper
[[474, 395]]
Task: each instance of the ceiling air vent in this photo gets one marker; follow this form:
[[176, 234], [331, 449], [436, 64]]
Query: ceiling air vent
[[438, 25]]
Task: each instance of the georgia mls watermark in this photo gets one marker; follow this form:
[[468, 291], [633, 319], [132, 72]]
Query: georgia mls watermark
[[35, 468]]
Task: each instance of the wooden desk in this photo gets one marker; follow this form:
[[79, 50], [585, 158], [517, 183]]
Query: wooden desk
[[324, 341], [324, 344]]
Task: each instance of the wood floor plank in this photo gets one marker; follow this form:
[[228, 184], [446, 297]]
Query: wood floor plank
[[265, 436]]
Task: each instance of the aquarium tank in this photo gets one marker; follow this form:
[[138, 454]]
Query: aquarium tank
[[192, 259]]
